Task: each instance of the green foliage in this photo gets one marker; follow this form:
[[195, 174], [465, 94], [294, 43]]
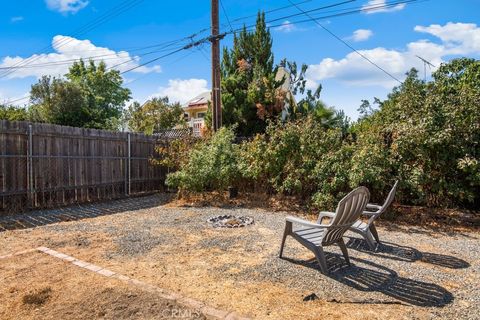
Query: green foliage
[[250, 92], [13, 113], [102, 89], [212, 164], [310, 104], [154, 115], [90, 97], [58, 101], [426, 135], [298, 158]]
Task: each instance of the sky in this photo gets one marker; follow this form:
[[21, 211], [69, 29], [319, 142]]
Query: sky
[[43, 37]]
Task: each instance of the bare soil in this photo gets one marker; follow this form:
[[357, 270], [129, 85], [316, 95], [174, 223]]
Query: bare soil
[[37, 286], [419, 273]]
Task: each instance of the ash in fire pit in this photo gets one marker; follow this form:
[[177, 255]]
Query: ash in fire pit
[[229, 221]]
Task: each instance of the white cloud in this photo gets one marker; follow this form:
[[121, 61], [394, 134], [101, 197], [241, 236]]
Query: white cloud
[[455, 39], [286, 26], [67, 50], [182, 90], [458, 38], [376, 6], [16, 19], [66, 6], [361, 35]]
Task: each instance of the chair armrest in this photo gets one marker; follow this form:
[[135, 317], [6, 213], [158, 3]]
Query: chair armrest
[[372, 206], [304, 222], [324, 214]]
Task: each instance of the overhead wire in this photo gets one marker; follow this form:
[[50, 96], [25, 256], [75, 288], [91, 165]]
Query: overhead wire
[[123, 7], [226, 15], [347, 44], [311, 18]]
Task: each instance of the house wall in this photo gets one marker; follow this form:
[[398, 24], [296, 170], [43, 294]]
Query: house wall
[[193, 111]]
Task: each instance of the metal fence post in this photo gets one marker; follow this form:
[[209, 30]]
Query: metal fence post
[[30, 191], [129, 164]]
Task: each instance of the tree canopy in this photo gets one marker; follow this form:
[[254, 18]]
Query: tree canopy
[[253, 93], [155, 114], [250, 92], [89, 96]]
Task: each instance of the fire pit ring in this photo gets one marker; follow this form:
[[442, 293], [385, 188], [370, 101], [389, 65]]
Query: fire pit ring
[[230, 221]]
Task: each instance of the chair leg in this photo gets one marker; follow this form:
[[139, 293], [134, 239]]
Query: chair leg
[[369, 239], [342, 246], [286, 232], [321, 259], [374, 232]]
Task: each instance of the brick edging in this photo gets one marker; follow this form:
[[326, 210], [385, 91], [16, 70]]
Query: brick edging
[[208, 311]]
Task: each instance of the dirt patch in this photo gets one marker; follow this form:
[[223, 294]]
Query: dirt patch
[[37, 286], [411, 275], [37, 297]]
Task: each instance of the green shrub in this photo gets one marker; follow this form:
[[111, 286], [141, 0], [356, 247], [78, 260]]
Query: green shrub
[[299, 158], [212, 164], [424, 134]]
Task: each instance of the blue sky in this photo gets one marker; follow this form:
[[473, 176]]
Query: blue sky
[[51, 31]]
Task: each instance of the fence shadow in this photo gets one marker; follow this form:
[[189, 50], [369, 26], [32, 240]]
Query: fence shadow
[[82, 211], [377, 278], [397, 252]]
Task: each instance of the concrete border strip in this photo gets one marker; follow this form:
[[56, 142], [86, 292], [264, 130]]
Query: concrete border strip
[[208, 311]]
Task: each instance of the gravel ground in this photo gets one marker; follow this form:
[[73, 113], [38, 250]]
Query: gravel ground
[[416, 268]]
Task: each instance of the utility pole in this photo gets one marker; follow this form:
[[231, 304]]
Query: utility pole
[[216, 97]]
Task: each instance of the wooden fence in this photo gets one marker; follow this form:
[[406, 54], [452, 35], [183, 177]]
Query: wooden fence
[[44, 165]]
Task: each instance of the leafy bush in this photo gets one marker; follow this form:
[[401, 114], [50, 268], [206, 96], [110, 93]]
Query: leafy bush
[[428, 135], [424, 134], [212, 164], [299, 158]]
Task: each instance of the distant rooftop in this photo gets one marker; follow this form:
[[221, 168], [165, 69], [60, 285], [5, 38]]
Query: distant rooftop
[[199, 100]]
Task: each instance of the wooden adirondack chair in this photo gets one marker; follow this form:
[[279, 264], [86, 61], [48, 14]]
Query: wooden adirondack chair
[[315, 236], [367, 229]]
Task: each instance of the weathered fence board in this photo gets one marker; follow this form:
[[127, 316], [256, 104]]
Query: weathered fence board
[[44, 165]]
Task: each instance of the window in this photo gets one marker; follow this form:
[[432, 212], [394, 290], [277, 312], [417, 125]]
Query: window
[[200, 114]]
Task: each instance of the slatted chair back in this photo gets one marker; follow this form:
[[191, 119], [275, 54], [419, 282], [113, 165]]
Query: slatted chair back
[[389, 200], [347, 212]]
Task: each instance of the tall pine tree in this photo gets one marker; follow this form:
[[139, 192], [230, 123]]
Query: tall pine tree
[[250, 92]]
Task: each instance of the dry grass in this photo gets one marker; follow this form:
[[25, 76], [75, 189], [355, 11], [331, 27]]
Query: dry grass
[[185, 265], [37, 286]]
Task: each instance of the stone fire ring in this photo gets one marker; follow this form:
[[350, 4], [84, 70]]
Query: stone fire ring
[[230, 221]]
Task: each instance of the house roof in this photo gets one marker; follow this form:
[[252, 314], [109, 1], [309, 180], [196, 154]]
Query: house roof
[[199, 100]]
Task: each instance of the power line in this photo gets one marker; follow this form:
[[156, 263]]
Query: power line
[[171, 43], [346, 43], [313, 10], [188, 46], [360, 9], [226, 15], [270, 11], [125, 6]]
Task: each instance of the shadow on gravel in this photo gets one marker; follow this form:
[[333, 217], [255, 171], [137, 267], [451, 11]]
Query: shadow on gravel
[[393, 251], [73, 213], [371, 277]]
